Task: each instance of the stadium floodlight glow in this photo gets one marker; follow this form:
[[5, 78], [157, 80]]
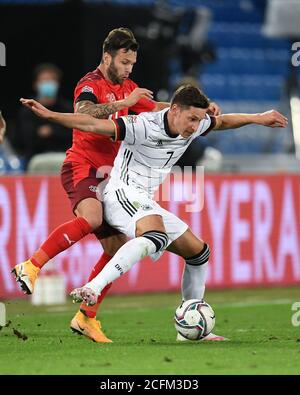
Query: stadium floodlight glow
[[2, 314], [295, 113]]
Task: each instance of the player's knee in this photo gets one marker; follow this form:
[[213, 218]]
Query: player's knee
[[160, 239], [200, 258], [91, 211], [93, 218]]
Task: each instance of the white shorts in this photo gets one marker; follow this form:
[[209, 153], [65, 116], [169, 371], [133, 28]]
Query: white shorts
[[125, 206]]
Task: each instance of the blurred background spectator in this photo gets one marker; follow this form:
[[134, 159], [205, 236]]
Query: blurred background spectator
[[174, 37], [33, 135]]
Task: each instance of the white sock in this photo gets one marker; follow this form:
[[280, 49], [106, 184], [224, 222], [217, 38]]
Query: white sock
[[127, 256], [193, 281]]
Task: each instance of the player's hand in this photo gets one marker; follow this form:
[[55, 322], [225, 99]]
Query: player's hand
[[273, 119], [136, 95], [36, 107], [2, 128], [214, 109]]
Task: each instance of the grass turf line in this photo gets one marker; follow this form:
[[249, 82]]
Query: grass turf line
[[258, 323]]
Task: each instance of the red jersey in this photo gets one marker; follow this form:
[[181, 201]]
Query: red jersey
[[95, 149]]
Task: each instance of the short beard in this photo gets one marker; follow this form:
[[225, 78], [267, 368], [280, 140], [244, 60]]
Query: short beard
[[113, 74]]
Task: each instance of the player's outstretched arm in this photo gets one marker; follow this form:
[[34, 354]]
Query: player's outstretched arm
[[82, 122], [272, 119], [103, 110]]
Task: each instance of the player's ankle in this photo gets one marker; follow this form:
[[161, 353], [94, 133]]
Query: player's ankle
[[87, 313], [35, 263]]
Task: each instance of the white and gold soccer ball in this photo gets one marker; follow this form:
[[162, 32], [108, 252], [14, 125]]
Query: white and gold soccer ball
[[194, 319]]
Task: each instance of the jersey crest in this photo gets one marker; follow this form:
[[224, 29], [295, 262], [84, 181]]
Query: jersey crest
[[87, 88], [110, 97]]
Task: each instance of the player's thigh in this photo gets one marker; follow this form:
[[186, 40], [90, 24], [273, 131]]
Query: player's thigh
[[90, 209], [149, 223], [111, 244], [174, 226], [187, 245], [131, 212], [81, 184]]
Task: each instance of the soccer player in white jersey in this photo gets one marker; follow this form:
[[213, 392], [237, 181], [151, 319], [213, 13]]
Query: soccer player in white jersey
[[152, 143]]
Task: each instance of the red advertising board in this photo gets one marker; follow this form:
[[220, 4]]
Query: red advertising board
[[252, 223]]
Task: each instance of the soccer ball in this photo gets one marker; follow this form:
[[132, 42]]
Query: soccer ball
[[194, 319]]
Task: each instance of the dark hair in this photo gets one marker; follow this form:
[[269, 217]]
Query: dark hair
[[47, 67], [120, 38], [190, 96]]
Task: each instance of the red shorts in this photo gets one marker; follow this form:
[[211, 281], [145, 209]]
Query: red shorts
[[80, 182]]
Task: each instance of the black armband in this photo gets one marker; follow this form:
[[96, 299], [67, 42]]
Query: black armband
[[87, 96]]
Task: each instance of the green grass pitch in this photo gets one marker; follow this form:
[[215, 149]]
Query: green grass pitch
[[257, 321]]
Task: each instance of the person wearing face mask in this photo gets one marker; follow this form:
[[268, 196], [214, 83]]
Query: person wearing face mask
[[37, 137]]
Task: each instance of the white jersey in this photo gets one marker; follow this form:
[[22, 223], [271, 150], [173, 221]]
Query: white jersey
[[148, 150]]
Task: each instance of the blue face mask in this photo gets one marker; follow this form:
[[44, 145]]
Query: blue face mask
[[47, 89]]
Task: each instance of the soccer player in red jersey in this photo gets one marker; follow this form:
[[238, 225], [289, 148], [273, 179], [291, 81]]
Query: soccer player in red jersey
[[2, 128], [106, 92]]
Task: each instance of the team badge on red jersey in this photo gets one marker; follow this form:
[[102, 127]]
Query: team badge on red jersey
[[87, 89], [110, 97]]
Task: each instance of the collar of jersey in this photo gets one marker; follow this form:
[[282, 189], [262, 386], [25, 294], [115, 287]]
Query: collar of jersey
[[167, 128]]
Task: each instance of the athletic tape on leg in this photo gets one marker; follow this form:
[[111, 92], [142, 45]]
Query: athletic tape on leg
[[160, 239], [200, 258]]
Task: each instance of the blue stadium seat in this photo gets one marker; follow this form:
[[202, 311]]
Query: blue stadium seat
[[10, 163]]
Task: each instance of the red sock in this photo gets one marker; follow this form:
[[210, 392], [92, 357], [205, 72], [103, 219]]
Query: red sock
[[91, 311], [60, 239]]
